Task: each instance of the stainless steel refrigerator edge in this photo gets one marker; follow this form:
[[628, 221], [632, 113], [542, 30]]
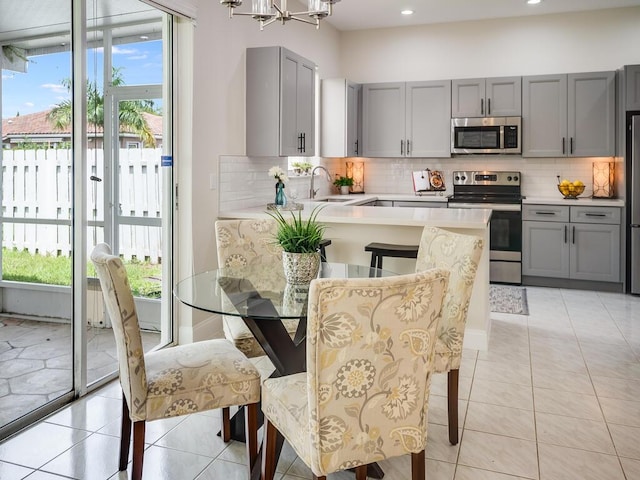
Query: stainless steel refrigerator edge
[[633, 194]]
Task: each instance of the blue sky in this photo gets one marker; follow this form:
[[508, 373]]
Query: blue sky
[[41, 87]]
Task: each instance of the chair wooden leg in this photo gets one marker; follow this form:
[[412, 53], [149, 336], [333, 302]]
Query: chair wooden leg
[[269, 448], [417, 466], [125, 436], [226, 425], [452, 401], [138, 449], [361, 472], [251, 432]]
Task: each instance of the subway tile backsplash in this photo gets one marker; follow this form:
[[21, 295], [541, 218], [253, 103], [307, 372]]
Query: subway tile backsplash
[[244, 181]]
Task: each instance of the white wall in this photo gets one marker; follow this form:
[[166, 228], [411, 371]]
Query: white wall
[[219, 97], [582, 42]]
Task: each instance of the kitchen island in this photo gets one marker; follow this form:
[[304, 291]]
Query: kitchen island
[[350, 228]]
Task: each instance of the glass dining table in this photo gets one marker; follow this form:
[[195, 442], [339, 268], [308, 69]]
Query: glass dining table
[[262, 298]]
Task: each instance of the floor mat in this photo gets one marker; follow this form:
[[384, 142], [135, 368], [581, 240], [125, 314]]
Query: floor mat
[[508, 299]]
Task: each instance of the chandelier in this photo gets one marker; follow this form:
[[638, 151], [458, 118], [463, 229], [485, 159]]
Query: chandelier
[[270, 11]]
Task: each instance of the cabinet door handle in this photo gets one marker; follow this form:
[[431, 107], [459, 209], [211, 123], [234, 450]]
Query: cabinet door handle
[[595, 214], [545, 213], [408, 147], [300, 143], [573, 235], [488, 106], [304, 142], [482, 106], [563, 145], [356, 147], [565, 234], [401, 147], [571, 145]]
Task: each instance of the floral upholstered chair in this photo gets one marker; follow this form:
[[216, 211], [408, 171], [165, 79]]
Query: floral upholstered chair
[[248, 242], [364, 397], [173, 381], [460, 255]]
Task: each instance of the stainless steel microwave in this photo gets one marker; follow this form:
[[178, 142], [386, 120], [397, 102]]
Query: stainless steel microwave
[[490, 135]]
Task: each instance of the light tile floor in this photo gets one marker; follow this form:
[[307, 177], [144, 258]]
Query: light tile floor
[[555, 397]]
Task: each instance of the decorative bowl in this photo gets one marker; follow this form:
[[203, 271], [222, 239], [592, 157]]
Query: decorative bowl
[[571, 191]]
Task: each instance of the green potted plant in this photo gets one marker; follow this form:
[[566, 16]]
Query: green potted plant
[[343, 184], [301, 167], [300, 241]]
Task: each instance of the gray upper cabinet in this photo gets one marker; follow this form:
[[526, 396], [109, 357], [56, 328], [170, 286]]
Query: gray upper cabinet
[[490, 97], [280, 103], [406, 119], [341, 118], [569, 115], [632, 82]]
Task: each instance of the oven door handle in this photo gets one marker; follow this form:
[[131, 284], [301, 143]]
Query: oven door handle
[[505, 207]]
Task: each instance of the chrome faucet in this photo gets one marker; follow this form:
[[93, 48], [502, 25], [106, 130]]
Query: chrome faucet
[[312, 192]]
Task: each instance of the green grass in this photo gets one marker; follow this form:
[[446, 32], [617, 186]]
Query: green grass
[[22, 266]]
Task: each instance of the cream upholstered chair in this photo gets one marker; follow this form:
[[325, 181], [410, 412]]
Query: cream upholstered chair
[[364, 397], [173, 381], [460, 255], [248, 242]]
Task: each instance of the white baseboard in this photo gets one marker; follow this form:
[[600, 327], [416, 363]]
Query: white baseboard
[[476, 339]]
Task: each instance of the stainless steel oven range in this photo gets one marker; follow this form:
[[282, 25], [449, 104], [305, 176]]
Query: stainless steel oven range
[[499, 191]]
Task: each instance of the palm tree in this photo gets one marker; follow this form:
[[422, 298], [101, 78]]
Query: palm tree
[[130, 113]]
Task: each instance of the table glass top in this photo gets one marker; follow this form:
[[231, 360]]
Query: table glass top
[[258, 291]]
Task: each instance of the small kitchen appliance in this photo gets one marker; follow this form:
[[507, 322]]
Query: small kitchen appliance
[[500, 192], [490, 135]]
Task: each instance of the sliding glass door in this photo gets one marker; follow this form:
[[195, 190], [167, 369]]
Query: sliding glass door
[[83, 133]]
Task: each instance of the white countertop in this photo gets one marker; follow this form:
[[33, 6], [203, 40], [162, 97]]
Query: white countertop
[[586, 201], [400, 216], [357, 199]]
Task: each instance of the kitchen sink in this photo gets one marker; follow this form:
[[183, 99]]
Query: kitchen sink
[[331, 200]]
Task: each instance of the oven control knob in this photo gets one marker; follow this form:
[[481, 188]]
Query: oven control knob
[[457, 178], [509, 178], [515, 179]]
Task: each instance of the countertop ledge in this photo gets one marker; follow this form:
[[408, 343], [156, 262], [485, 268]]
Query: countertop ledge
[[405, 216], [580, 202]]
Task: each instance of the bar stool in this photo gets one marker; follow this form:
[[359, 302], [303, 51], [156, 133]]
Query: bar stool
[[323, 253], [381, 250]]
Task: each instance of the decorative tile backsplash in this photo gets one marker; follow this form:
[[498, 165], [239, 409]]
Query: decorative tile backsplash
[[244, 181]]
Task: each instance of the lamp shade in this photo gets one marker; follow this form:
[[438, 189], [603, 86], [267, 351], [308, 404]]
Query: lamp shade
[[603, 179], [355, 170]]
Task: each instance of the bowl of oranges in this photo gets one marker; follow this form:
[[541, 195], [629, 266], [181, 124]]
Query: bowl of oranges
[[571, 190]]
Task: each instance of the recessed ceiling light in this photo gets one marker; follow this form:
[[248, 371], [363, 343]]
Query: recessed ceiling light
[[533, 2], [407, 12]]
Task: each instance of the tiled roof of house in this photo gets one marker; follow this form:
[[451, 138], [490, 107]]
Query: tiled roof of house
[[38, 124]]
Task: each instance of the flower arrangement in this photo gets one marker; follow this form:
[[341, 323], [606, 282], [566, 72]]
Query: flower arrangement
[[298, 235], [279, 174]]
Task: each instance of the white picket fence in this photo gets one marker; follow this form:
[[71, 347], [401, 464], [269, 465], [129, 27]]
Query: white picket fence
[[37, 201]]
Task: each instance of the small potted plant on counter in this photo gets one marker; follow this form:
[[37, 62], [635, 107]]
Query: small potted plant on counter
[[301, 168], [343, 184]]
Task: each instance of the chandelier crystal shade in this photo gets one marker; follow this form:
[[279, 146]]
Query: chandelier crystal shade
[[270, 11]]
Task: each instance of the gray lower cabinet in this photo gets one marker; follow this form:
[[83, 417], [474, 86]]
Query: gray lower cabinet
[[572, 242], [280, 103], [410, 119], [569, 115]]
